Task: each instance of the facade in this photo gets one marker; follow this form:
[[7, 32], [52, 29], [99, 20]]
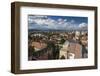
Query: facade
[[71, 50]]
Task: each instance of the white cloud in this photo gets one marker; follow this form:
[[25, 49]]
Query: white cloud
[[65, 20], [83, 25], [72, 21], [45, 22], [38, 16], [59, 20]]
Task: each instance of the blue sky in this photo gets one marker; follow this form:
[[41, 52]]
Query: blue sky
[[57, 22]]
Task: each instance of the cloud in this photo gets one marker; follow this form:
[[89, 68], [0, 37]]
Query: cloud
[[43, 22], [35, 17], [83, 25], [72, 21]]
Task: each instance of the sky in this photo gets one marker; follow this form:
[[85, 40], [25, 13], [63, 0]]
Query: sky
[[45, 22]]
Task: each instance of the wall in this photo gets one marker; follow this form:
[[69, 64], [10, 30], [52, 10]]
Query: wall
[[5, 33]]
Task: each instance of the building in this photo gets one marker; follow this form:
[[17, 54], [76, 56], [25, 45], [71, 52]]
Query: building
[[71, 50]]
